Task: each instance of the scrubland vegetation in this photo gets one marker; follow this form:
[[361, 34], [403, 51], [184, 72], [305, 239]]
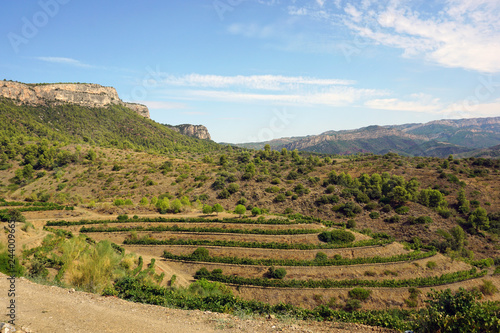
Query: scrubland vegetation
[[146, 187]]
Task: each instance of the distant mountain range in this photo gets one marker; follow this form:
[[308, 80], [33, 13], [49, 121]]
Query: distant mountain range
[[467, 137]]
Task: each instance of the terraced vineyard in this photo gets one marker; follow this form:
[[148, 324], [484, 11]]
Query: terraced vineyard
[[251, 256]]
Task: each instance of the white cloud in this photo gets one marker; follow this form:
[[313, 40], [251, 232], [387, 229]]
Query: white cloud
[[464, 34], [466, 108], [338, 96], [64, 61], [261, 82]]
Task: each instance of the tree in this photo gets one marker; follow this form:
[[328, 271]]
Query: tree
[[240, 209], [176, 206], [399, 195], [218, 208], [144, 201], [207, 209], [479, 219], [463, 203]]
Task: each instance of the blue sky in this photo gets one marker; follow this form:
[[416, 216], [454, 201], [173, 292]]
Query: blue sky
[[254, 70]]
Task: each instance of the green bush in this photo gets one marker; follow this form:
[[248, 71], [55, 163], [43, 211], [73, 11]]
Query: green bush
[[360, 294], [351, 224], [374, 215], [402, 210], [276, 273]]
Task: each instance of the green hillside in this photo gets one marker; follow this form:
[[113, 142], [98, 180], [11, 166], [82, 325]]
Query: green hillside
[[114, 126]]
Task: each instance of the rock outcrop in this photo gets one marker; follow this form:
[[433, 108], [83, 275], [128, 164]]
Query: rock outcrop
[[84, 94], [195, 131]]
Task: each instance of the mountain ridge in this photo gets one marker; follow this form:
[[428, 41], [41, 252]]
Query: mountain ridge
[[436, 138]]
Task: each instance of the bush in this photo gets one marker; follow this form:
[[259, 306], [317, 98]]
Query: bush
[[352, 305], [422, 220], [276, 273], [374, 215], [402, 210], [280, 198], [336, 236], [122, 217], [256, 211], [351, 224], [360, 294], [394, 219], [200, 253], [431, 264], [224, 194], [488, 288]]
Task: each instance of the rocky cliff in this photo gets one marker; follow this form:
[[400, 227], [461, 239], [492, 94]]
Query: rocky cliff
[[195, 131], [84, 94]]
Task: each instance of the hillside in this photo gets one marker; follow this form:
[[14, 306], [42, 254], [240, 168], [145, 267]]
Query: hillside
[[110, 202], [114, 125], [438, 138]]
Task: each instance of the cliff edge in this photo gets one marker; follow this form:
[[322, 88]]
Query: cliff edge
[[195, 131], [84, 94]]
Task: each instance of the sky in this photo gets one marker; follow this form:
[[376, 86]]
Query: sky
[[256, 70]]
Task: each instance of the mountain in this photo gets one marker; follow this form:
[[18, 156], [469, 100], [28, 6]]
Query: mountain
[[82, 112], [437, 138], [83, 94]]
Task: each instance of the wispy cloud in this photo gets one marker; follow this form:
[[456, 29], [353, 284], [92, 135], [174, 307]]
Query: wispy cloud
[[453, 33], [64, 61], [338, 96], [259, 82], [432, 105], [463, 34]]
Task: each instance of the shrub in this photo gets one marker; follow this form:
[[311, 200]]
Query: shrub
[[336, 236], [280, 198], [386, 208], [256, 211], [351, 224], [431, 264], [224, 194], [276, 273], [207, 209], [488, 288], [422, 220], [374, 215], [233, 188], [330, 189], [321, 256], [200, 253], [402, 210], [360, 294], [394, 219], [352, 305], [122, 217]]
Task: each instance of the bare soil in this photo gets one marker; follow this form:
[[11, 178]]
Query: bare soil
[[41, 308]]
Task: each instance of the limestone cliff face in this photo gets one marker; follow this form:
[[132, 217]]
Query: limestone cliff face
[[84, 94], [195, 131]]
